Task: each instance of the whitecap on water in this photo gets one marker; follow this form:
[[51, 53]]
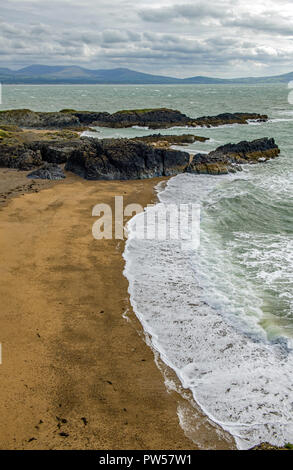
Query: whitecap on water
[[242, 381]]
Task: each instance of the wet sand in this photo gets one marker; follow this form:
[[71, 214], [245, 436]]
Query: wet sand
[[77, 372]]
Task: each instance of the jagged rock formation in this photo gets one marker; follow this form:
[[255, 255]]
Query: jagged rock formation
[[127, 158], [30, 119], [124, 159], [227, 158], [153, 118], [228, 118], [165, 141], [49, 171], [19, 156], [58, 151]]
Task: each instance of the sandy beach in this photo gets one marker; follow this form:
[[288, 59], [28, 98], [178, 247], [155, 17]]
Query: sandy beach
[[76, 370]]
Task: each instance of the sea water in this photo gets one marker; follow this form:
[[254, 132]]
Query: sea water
[[221, 315]]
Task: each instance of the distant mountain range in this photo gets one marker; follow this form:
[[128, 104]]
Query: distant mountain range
[[45, 74]]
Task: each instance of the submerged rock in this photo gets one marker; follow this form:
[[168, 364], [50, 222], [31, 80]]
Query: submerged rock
[[49, 171]]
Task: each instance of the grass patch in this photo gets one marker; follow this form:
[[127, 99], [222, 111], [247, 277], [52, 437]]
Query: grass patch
[[142, 111], [67, 111], [289, 446], [4, 134], [17, 112]]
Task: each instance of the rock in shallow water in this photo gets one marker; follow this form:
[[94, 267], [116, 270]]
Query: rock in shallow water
[[124, 159], [227, 158], [158, 118]]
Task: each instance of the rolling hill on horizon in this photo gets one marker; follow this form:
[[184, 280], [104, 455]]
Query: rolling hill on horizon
[[46, 74]]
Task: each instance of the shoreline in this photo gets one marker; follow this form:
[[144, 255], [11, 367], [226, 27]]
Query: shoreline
[[75, 372]]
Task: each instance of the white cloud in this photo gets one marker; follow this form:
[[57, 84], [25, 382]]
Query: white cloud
[[176, 37]]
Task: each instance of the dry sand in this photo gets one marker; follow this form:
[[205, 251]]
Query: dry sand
[[76, 374]]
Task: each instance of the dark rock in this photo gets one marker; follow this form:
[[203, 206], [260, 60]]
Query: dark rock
[[244, 151], [158, 118], [124, 159], [227, 157], [19, 156], [166, 141], [56, 152], [111, 159], [49, 171], [30, 119], [228, 118], [161, 118], [153, 118], [87, 118]]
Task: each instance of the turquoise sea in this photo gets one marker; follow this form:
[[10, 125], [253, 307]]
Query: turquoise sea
[[221, 316]]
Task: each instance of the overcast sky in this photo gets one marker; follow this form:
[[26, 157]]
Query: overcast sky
[[223, 38]]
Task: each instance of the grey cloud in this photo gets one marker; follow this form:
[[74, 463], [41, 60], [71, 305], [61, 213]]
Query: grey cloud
[[265, 23], [188, 11], [116, 36], [113, 36], [183, 38]]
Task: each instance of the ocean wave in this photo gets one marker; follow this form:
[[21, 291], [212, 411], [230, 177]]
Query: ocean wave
[[216, 344], [273, 120]]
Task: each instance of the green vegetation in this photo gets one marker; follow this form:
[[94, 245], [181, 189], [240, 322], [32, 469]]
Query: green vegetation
[[3, 134], [289, 446], [10, 128], [142, 111], [16, 111], [67, 111], [66, 134]]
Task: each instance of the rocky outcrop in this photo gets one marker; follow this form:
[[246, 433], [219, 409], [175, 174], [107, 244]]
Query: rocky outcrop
[[163, 118], [159, 118], [30, 119], [129, 158], [227, 158], [228, 119], [56, 152], [49, 171], [243, 152], [165, 141], [124, 159], [96, 159], [19, 156], [153, 118]]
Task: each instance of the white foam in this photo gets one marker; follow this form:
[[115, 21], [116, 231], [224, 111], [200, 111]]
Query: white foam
[[241, 383], [279, 120]]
